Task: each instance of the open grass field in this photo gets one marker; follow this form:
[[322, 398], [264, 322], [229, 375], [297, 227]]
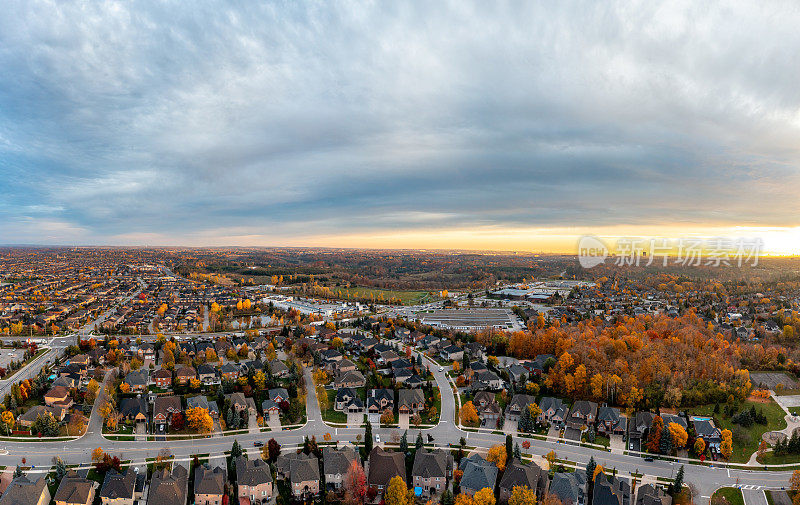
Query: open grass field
[[407, 297]]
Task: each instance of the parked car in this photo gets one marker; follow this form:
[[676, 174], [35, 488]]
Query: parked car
[[258, 444]]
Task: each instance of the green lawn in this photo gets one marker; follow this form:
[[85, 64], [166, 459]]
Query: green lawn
[[742, 452], [331, 415], [732, 494], [770, 459]]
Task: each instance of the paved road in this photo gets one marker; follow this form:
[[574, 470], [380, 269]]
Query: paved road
[[706, 479], [754, 497]]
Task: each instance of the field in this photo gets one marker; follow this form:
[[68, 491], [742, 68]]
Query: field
[[407, 297]]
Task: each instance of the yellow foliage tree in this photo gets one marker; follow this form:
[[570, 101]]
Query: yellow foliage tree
[[699, 446], [397, 493], [468, 414], [486, 497], [679, 435], [522, 495], [497, 455], [199, 420]]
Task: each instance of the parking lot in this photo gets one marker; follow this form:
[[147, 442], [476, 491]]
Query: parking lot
[[9, 355]]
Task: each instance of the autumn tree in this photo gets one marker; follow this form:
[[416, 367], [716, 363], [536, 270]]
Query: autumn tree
[[468, 414], [497, 455], [355, 484], [679, 435], [485, 496], [387, 417], [654, 438], [726, 446], [699, 446], [397, 493], [199, 420], [522, 495]]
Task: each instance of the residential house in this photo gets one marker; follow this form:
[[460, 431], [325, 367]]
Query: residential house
[[432, 471], [74, 490], [487, 407], [487, 380], [133, 409], [582, 415], [477, 474], [611, 491], [58, 396], [518, 373], [230, 371], [528, 475], [609, 421], [254, 480], [207, 373], [336, 463], [119, 488], [25, 491], [270, 410], [163, 410], [278, 369], [162, 378], [410, 401], [554, 411], [383, 465], [452, 353], [638, 429], [303, 473], [705, 429], [515, 407], [378, 400], [278, 395], [137, 380], [569, 487], [348, 400], [29, 416], [648, 494], [184, 374], [209, 485], [672, 418], [169, 487], [344, 366], [352, 379]]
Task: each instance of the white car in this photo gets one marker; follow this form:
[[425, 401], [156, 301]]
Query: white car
[[377, 439], [441, 369]]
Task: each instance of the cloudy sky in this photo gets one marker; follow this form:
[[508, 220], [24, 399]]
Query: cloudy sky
[[418, 124]]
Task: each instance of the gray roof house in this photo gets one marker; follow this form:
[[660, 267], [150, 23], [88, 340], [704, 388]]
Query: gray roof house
[[478, 474], [569, 487], [24, 491], [432, 471]]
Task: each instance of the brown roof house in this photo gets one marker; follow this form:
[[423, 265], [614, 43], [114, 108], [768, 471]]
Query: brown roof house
[[74, 490], [163, 410], [254, 480], [24, 491], [209, 485], [384, 465], [410, 401], [119, 488], [432, 471], [58, 397], [302, 470], [169, 488]]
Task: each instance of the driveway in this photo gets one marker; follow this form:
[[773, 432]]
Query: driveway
[[510, 427], [617, 444], [252, 423], [141, 431], [355, 418], [403, 421], [754, 496]]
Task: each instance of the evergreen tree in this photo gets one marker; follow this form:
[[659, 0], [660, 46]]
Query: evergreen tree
[[236, 450], [17, 472], [677, 485], [404, 443], [447, 498], [525, 423], [419, 444], [590, 467], [517, 452], [509, 445], [665, 444], [368, 438]]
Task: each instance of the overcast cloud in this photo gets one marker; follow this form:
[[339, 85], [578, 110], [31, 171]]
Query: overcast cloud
[[206, 123]]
